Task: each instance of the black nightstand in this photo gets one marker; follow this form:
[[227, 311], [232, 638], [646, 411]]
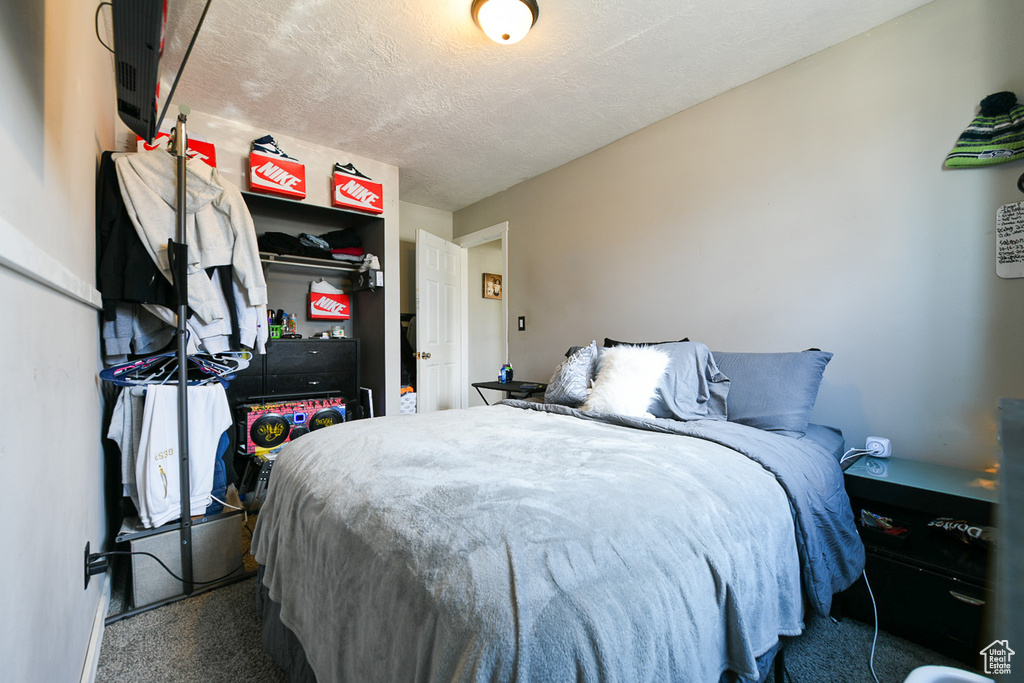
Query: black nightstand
[[512, 389], [931, 586]]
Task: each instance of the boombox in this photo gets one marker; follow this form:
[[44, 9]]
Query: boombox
[[268, 426]]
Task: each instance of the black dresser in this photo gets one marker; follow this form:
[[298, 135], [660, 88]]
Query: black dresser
[[298, 367], [931, 581]]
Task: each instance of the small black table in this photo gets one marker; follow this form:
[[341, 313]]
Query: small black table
[[512, 389]]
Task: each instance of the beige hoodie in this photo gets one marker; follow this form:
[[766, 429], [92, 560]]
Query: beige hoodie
[[219, 229]]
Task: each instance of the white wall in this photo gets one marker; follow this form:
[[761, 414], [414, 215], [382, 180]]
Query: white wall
[[486, 344], [808, 208], [56, 116]]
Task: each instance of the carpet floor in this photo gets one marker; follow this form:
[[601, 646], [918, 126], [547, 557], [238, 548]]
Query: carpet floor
[[214, 637]]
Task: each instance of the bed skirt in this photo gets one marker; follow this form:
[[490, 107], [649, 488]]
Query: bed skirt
[[278, 640], [286, 650]]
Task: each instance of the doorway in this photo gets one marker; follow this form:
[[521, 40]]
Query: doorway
[[485, 318]]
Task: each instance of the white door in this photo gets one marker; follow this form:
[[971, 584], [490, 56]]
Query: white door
[[438, 323]]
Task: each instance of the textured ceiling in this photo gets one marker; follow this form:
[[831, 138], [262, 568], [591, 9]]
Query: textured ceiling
[[416, 84]]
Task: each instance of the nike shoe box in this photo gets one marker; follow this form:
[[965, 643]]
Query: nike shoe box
[[327, 306], [356, 191], [271, 174], [197, 148]]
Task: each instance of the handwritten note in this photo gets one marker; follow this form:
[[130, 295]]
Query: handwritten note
[[1010, 240]]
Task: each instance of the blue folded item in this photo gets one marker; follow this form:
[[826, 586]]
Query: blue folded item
[[220, 475]]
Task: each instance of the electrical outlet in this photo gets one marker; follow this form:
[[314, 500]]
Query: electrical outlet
[[522, 323], [94, 564], [87, 574], [878, 447]]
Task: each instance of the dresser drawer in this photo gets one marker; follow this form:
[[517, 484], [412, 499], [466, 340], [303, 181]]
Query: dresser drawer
[[940, 612], [310, 356], [310, 382], [243, 386]]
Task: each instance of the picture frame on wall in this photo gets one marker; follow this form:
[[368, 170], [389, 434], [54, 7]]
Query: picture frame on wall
[[492, 286]]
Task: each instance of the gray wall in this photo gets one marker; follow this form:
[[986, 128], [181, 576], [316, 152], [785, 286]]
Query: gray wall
[[486, 344], [808, 208], [416, 217], [56, 115]]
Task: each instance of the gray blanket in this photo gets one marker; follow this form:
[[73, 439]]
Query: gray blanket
[[831, 552], [501, 544]]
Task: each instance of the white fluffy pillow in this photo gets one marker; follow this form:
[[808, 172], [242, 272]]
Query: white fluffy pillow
[[626, 380]]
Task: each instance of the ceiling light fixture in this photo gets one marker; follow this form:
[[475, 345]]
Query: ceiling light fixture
[[505, 21]]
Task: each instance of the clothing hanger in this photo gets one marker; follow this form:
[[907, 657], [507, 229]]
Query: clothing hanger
[[162, 368]]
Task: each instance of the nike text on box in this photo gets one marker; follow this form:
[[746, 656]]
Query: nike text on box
[[274, 175], [329, 306], [197, 147], [357, 193]]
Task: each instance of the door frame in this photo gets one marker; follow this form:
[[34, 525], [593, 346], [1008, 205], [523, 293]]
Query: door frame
[[467, 242]]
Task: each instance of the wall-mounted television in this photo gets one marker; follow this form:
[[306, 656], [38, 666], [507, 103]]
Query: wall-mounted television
[[138, 27]]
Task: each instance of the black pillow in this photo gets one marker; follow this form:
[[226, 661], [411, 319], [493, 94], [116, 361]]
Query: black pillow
[[608, 343]]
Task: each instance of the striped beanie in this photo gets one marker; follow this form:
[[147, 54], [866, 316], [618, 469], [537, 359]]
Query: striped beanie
[[995, 136]]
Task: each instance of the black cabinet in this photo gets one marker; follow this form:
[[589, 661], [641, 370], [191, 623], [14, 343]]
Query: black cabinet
[[288, 281], [930, 581], [295, 367]]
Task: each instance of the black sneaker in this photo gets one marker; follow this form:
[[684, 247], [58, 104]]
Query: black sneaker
[[349, 169]]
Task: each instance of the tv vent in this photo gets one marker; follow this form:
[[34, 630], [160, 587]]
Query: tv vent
[[126, 77]]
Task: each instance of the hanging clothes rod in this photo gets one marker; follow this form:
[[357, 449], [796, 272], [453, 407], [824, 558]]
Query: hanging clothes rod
[[305, 262]]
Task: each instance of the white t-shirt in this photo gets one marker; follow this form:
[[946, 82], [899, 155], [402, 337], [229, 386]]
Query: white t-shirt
[[156, 467]]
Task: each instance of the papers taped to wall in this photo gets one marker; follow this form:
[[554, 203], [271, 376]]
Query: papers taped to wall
[[1010, 240]]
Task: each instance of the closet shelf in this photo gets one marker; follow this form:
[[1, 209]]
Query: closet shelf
[[304, 211], [306, 262]]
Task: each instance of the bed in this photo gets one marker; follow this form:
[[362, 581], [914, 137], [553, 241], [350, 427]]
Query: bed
[[535, 541]]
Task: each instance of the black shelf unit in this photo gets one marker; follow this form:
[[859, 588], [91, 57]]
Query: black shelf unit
[[285, 274]]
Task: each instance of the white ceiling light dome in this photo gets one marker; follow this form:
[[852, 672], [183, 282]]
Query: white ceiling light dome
[[505, 21]]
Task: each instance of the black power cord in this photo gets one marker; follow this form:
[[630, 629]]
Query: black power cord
[[96, 24], [95, 556]]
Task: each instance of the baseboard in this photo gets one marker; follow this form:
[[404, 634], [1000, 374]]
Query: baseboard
[[92, 655]]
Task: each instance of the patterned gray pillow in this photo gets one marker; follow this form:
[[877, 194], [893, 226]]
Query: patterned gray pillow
[[569, 384]]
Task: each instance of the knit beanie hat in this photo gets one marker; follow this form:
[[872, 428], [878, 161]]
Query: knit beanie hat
[[995, 136]]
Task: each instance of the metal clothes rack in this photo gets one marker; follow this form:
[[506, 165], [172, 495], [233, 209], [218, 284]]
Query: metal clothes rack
[[179, 273], [177, 249]]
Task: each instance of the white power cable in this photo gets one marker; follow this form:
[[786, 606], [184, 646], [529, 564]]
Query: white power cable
[[854, 453], [874, 640], [227, 505]]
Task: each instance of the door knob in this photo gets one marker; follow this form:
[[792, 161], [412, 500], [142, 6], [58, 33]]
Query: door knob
[[422, 356]]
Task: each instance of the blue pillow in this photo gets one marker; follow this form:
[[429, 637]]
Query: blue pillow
[[773, 391], [692, 387]]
